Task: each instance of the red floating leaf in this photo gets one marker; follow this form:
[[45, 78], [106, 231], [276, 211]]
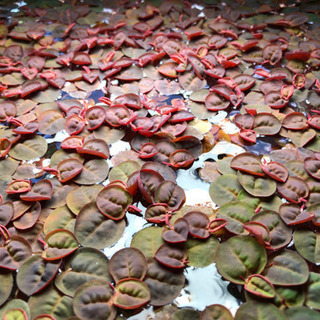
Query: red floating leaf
[[172, 257], [178, 233], [68, 169], [276, 171], [292, 214], [97, 147], [198, 224], [294, 189], [42, 190], [18, 186]]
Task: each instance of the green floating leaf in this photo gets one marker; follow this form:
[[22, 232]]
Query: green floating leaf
[[236, 213], [216, 312], [148, 241], [123, 170], [313, 291], [254, 310], [93, 300], [240, 257], [256, 186], [201, 253], [60, 218], [307, 243], [15, 304], [131, 294], [29, 149], [15, 314], [259, 286], [36, 273], [289, 296], [6, 280], [53, 302], [272, 203], [225, 189], [79, 197], [91, 224], [84, 265], [94, 171], [286, 268], [298, 313], [186, 314]]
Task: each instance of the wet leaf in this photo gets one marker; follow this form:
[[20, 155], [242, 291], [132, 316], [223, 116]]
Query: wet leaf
[[94, 171], [42, 190], [113, 201], [312, 293], [79, 197], [280, 234], [198, 224], [6, 279], [247, 162], [294, 189]]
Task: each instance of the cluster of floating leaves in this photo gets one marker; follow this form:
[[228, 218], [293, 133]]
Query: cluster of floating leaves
[[101, 76]]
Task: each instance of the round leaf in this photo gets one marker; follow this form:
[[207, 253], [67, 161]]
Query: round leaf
[[36, 273], [113, 201], [93, 300], [225, 189], [216, 312], [239, 257], [236, 213], [131, 294], [84, 265], [128, 263], [201, 253], [29, 149], [307, 243], [259, 286], [286, 268], [91, 224], [254, 310], [256, 186], [148, 240], [60, 243]]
